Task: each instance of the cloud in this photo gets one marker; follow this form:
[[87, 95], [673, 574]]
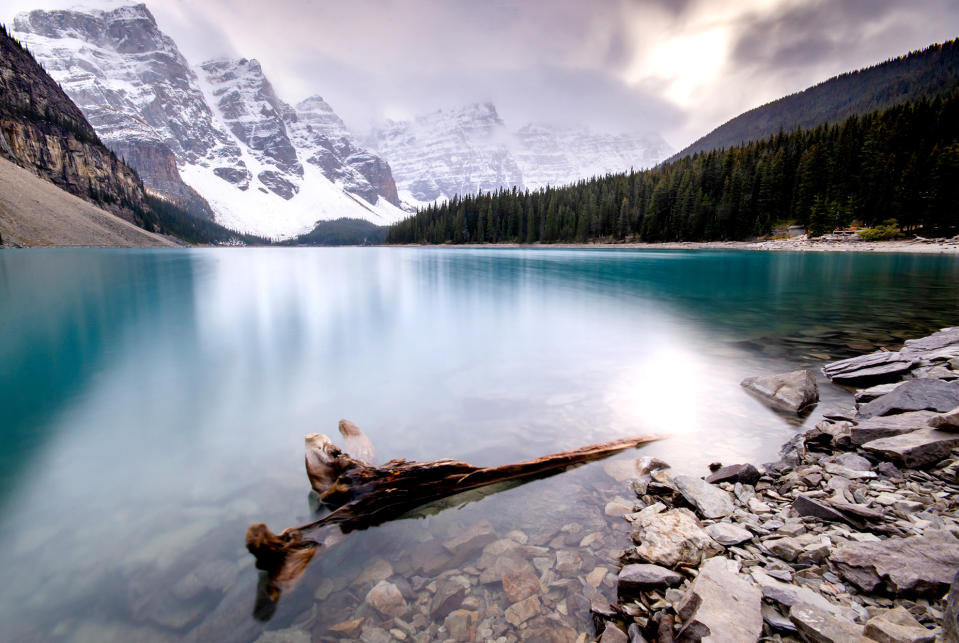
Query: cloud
[[679, 67]]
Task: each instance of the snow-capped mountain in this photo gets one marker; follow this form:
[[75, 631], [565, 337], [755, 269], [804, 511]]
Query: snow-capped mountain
[[262, 166], [560, 155], [470, 149], [447, 152]]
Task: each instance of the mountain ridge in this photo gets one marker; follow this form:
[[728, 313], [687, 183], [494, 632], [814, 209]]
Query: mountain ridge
[[927, 72]]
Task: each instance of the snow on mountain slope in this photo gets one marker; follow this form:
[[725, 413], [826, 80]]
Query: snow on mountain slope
[[449, 152], [561, 155], [470, 149], [232, 139]]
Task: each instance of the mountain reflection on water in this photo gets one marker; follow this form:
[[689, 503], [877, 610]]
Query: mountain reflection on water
[[155, 404]]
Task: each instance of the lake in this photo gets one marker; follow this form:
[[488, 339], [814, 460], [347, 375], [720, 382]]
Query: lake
[[155, 403]]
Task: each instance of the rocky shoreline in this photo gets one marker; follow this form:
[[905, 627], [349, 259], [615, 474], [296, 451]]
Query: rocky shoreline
[[850, 536], [827, 243]]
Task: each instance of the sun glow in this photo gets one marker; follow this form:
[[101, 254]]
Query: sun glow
[[685, 63]]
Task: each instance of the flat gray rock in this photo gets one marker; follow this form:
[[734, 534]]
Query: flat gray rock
[[787, 594], [724, 601], [727, 533], [934, 342], [818, 626], [871, 393], [636, 578], [885, 427], [947, 421], [744, 473], [924, 565], [915, 449], [898, 625], [914, 395], [806, 506], [710, 501], [950, 617], [874, 365], [790, 391], [852, 461]]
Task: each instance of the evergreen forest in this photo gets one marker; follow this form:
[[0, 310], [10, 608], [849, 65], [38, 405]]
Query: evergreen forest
[[900, 163]]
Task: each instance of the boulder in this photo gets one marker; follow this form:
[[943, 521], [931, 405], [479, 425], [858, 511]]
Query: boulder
[[520, 582], [744, 473], [471, 540], [387, 599], [914, 395], [869, 394], [784, 548], [638, 578], [878, 365], [915, 449], [727, 533], [897, 626], [725, 602], [924, 564], [885, 427], [818, 626], [461, 625], [613, 634], [672, 538], [710, 501], [790, 391]]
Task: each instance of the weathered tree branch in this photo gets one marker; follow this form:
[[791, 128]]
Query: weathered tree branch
[[363, 495]]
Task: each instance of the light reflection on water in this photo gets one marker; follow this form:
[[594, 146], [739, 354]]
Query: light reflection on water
[[155, 401]]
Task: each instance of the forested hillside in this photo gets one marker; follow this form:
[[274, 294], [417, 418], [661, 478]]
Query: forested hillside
[[900, 163], [928, 73]]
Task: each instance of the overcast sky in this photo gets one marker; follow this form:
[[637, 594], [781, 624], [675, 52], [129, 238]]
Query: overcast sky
[[677, 67]]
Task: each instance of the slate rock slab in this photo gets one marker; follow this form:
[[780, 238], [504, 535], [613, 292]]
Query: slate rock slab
[[637, 578], [744, 473], [915, 449], [878, 365], [947, 421], [885, 427], [790, 391], [914, 395], [725, 602], [897, 625], [936, 341], [923, 565], [818, 626], [727, 533], [710, 501]]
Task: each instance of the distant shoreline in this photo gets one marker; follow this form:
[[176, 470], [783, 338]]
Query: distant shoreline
[[797, 244]]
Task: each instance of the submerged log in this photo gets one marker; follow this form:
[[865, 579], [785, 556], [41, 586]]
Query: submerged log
[[362, 495]]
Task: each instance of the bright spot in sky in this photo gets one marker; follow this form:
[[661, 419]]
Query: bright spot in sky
[[686, 62]]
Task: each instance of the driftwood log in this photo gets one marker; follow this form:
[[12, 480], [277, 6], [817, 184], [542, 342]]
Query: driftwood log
[[361, 494]]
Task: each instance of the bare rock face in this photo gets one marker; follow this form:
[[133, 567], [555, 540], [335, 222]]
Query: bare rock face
[[42, 130], [725, 602], [792, 391], [924, 564], [672, 538]]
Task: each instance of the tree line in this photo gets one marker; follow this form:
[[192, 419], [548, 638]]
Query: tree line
[[900, 163]]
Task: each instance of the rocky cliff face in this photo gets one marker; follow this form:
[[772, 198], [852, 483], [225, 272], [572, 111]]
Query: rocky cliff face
[[263, 166], [124, 74], [42, 130], [471, 149]]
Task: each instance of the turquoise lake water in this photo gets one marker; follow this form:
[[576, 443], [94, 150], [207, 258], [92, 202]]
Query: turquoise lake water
[[155, 403]]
